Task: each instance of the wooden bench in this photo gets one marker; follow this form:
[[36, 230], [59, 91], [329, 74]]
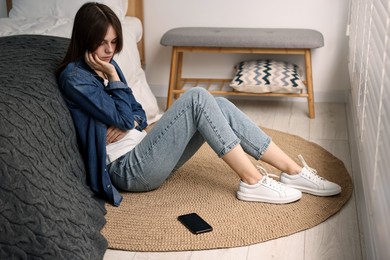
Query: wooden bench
[[238, 40]]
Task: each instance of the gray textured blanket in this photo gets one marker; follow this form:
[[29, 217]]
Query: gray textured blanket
[[46, 209]]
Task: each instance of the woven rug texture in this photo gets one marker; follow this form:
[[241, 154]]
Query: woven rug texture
[[206, 185]]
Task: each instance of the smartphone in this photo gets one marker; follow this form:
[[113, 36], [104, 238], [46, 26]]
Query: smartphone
[[194, 223]]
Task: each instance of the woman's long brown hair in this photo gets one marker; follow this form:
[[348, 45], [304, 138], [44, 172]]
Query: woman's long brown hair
[[89, 29]]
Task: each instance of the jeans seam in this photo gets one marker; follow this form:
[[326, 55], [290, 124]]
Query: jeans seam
[[226, 148], [163, 132], [229, 147], [260, 150]]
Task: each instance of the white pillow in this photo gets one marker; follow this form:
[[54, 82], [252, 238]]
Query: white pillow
[[129, 62], [60, 8]]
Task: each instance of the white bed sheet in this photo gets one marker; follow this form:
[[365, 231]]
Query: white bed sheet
[[128, 59]]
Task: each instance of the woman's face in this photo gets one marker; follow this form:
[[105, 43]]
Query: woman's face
[[107, 47]]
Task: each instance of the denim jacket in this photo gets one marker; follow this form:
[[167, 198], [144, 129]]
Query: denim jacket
[[94, 107]]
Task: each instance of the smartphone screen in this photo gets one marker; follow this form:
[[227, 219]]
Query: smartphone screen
[[195, 223]]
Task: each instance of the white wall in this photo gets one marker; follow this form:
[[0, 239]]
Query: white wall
[[330, 72], [3, 9], [327, 16]]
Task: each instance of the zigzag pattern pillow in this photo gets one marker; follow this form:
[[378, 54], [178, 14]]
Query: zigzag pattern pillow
[[262, 76]]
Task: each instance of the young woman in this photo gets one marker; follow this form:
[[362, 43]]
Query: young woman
[[119, 154]]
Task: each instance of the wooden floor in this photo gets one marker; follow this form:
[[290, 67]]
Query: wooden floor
[[337, 238]]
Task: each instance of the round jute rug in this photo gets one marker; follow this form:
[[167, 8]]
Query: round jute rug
[[205, 185]]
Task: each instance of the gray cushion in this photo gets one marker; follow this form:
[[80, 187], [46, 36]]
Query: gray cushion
[[243, 37]]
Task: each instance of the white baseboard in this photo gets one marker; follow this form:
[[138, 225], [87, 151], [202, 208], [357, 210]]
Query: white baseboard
[[331, 96]]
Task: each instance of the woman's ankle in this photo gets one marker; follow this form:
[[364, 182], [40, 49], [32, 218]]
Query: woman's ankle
[[293, 170], [250, 181]]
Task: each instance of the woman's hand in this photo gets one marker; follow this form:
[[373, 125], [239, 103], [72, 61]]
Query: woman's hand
[[114, 134], [98, 65]]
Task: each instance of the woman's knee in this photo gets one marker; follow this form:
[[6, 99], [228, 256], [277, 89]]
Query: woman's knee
[[197, 90], [198, 98], [201, 93], [198, 94], [202, 96]]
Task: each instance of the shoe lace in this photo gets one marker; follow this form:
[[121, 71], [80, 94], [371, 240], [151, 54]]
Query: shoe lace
[[311, 170], [268, 180]]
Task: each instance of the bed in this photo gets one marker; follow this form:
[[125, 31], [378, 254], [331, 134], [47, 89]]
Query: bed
[[47, 210]]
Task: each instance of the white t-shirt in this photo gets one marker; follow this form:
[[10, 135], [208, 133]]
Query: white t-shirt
[[126, 144]]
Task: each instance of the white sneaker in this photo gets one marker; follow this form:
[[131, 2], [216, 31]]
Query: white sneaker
[[309, 181], [267, 190]]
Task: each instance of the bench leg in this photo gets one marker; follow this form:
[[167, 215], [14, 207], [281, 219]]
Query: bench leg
[[172, 76], [309, 82], [178, 84]]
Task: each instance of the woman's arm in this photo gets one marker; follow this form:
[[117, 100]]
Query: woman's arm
[[84, 90], [114, 73]]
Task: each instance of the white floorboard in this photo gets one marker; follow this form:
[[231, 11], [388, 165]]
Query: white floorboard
[[336, 238]]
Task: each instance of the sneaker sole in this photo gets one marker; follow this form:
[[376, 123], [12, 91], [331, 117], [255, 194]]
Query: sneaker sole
[[246, 197], [322, 193]]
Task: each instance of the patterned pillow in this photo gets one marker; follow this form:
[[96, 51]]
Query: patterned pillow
[[262, 76]]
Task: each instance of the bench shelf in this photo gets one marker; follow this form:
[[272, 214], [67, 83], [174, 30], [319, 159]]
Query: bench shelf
[[180, 41], [221, 87]]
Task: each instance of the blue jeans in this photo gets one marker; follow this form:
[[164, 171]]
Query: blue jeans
[[196, 117]]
